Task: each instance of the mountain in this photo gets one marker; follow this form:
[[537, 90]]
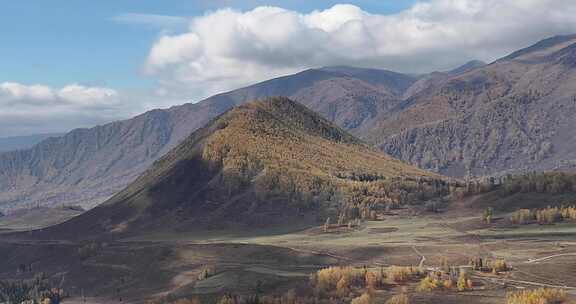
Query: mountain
[[87, 166], [23, 142], [266, 163], [513, 115]]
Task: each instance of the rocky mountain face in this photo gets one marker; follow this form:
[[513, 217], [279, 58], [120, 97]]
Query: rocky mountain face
[[261, 164], [513, 115], [87, 166]]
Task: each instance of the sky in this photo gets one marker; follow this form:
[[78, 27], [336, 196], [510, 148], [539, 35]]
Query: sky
[[69, 64]]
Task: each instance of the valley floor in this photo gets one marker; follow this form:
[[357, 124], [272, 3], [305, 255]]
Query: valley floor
[[276, 261]]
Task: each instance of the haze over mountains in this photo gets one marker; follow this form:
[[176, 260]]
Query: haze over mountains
[[23, 142], [511, 115]]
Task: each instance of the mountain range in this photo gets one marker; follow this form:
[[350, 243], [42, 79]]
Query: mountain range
[[514, 114]]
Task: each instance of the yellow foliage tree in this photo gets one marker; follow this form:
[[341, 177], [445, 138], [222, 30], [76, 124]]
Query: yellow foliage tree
[[428, 284], [462, 283]]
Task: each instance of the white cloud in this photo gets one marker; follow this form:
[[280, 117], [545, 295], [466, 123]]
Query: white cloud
[[227, 48], [29, 109], [13, 90], [75, 93]]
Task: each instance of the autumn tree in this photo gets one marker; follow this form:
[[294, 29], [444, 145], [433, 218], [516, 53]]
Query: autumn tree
[[372, 280], [487, 215], [462, 283]]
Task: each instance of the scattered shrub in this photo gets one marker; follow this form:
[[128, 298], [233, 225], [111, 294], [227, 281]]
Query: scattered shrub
[[499, 265], [206, 272], [327, 279], [89, 250], [548, 215], [429, 284], [487, 215], [522, 216], [543, 216], [401, 274], [536, 296], [399, 299], [343, 287], [464, 283], [373, 279], [36, 290], [363, 299]]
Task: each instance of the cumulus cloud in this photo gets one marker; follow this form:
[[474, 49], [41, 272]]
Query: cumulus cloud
[[29, 109], [74, 94], [228, 48], [17, 91]]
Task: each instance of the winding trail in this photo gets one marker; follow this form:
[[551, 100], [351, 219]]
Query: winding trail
[[502, 281], [422, 257], [530, 261]]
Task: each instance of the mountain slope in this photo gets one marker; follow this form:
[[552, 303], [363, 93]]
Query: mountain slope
[[268, 162], [87, 166], [515, 114]]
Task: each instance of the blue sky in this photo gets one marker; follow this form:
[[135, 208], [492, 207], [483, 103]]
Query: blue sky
[[58, 42]]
